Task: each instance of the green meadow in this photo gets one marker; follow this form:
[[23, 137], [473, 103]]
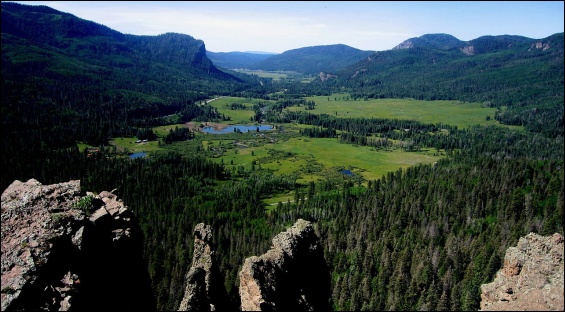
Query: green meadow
[[314, 159], [311, 159], [128, 145], [238, 116], [454, 113], [275, 75]]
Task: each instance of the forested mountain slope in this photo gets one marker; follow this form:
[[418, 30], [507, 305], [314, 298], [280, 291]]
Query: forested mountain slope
[[313, 60], [521, 76]]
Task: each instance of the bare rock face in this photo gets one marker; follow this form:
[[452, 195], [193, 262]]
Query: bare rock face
[[325, 76], [205, 289], [291, 276], [531, 278], [63, 251]]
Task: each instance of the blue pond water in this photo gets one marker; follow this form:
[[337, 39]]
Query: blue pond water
[[137, 155], [241, 128], [347, 172]]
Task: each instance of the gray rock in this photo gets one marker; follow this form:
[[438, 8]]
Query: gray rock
[[204, 289], [47, 241], [291, 276], [531, 278]]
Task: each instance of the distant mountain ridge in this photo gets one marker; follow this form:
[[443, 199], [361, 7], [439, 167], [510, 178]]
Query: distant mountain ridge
[[483, 44], [233, 60], [523, 75], [439, 41], [315, 59]]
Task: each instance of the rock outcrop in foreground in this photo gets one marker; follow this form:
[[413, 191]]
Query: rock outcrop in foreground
[[205, 289], [291, 276], [62, 251], [531, 278]]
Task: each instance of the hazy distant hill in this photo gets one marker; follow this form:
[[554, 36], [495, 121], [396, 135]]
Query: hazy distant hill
[[438, 41], [313, 60], [484, 44], [234, 60], [522, 74]]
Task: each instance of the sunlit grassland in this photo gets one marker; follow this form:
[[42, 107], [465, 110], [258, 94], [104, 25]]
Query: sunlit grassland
[[263, 74], [312, 158], [128, 145], [238, 116], [162, 131], [363, 160], [82, 146], [454, 113]]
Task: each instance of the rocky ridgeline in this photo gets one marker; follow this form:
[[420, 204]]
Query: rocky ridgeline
[[531, 278], [62, 251]]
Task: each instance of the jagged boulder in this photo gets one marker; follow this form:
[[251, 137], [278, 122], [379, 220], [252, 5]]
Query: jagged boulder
[[291, 276], [531, 278], [62, 250], [204, 289]]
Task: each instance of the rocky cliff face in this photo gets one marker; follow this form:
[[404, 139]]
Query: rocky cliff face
[[64, 251], [291, 276], [531, 278], [205, 289]]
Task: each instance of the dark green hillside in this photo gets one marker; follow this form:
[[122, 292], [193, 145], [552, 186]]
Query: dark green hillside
[[437, 41], [61, 42], [235, 60], [313, 60], [524, 75], [489, 44]]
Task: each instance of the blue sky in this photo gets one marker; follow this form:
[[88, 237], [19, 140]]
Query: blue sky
[[278, 26]]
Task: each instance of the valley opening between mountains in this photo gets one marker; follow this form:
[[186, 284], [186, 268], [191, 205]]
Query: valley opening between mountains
[[425, 177]]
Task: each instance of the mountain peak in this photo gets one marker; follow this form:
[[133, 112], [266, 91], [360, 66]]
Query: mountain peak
[[314, 59], [437, 41]]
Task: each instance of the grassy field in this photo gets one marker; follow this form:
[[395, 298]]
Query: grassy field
[[264, 74], [129, 145], [237, 116], [313, 159], [317, 159], [455, 113]]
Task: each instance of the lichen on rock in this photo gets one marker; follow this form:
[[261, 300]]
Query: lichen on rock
[[531, 278]]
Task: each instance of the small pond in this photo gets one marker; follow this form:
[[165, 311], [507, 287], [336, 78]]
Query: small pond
[[347, 172], [240, 128], [137, 155]]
